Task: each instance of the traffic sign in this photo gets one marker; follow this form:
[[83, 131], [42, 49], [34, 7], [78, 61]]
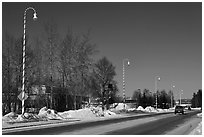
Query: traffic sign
[[20, 96]]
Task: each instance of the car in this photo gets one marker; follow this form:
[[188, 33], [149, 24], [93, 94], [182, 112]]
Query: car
[[179, 109]]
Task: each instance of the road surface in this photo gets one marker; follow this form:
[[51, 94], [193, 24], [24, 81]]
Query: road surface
[[151, 125]]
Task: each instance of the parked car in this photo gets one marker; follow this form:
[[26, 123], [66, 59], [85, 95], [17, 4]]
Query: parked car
[[179, 109]]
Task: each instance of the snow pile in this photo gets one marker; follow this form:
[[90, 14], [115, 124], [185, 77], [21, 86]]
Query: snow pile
[[21, 118], [81, 113], [132, 109], [109, 113], [44, 115], [120, 106], [140, 108], [150, 109], [49, 114], [160, 110], [86, 113], [10, 117], [196, 108], [26, 117]]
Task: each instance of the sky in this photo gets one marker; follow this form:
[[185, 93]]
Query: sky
[[159, 39]]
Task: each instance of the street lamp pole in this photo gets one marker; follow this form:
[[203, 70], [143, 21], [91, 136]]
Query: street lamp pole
[[180, 96], [128, 62], [24, 52], [172, 95], [157, 78]]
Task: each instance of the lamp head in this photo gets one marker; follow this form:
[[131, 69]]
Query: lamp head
[[128, 63], [159, 78], [35, 16]]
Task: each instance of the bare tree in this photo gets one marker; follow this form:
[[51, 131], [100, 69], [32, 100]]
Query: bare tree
[[103, 75], [75, 62], [50, 51], [7, 69]]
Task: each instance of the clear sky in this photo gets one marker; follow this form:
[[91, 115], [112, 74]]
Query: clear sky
[[159, 39]]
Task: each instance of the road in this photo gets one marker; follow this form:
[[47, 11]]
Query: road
[[143, 125]]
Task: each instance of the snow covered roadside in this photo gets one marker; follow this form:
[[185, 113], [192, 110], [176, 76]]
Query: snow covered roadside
[[198, 129], [91, 113]]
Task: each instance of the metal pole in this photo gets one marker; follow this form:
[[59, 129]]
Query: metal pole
[[172, 95], [156, 90], [124, 84], [124, 79], [156, 78], [180, 96], [171, 101], [24, 58], [24, 48]]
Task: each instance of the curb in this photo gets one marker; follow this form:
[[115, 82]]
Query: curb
[[39, 124]]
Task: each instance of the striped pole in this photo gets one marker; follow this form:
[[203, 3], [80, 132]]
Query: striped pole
[[156, 79], [124, 80], [24, 48], [24, 57], [124, 84]]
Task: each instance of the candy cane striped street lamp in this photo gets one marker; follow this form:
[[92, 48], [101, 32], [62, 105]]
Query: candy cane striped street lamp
[[128, 62], [24, 52]]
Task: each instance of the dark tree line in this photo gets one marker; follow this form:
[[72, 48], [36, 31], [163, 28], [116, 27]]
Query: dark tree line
[[147, 98], [64, 64], [196, 101]]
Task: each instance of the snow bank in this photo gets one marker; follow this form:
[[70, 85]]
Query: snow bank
[[9, 117], [140, 108], [120, 106], [150, 109], [86, 113], [81, 113], [109, 113], [26, 117], [49, 114], [196, 108], [132, 109], [43, 115]]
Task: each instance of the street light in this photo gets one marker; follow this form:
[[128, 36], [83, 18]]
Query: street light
[[128, 62], [172, 95], [24, 51], [180, 96], [157, 78]]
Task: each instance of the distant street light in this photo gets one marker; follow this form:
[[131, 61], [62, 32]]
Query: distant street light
[[180, 96], [157, 78], [172, 95], [128, 62], [24, 52]]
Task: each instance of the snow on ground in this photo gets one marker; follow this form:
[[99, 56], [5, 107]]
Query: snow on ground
[[120, 106], [140, 108], [196, 108], [92, 112], [152, 109], [198, 129]]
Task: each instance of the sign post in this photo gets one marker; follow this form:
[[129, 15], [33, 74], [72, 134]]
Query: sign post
[[23, 98]]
